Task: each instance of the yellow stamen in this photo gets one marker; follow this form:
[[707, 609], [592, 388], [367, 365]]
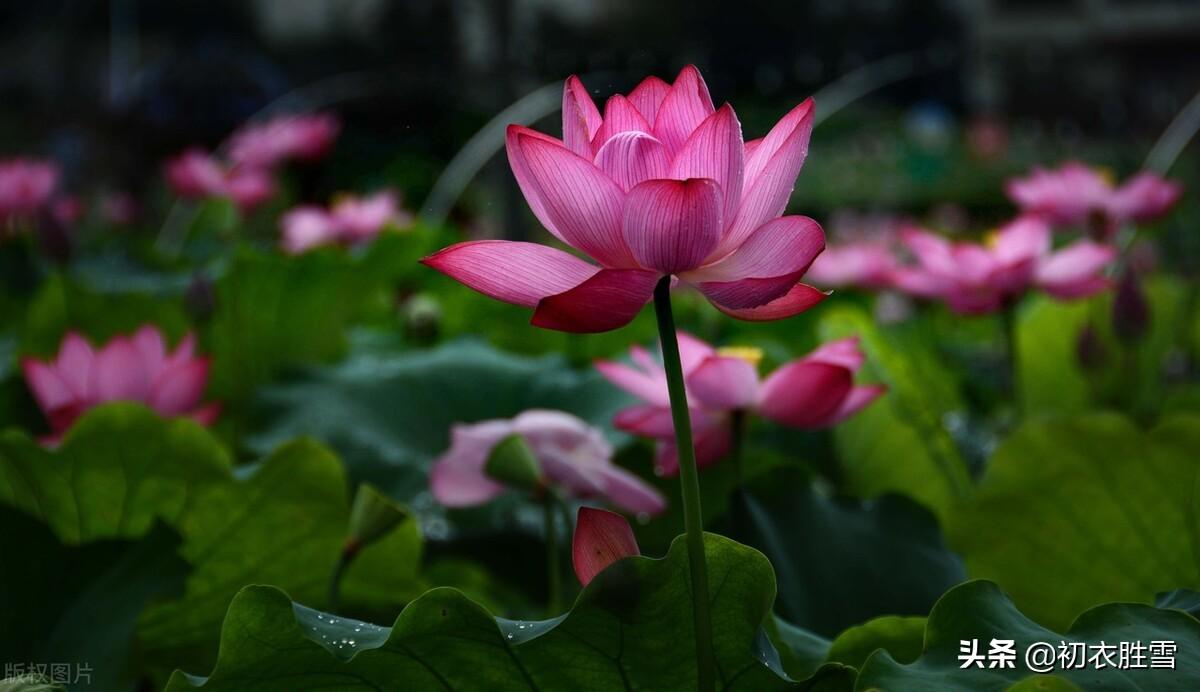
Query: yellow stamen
[[989, 238], [749, 354], [1106, 174]]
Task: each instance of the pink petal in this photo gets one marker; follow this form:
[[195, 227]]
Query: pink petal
[[770, 175], [119, 373], [1144, 197], [149, 342], [648, 96], [672, 225], [647, 420], [630, 493], [580, 117], [649, 388], [933, 251], [843, 352], [619, 116], [858, 399], [711, 437], [692, 351], [74, 365], [714, 150], [723, 383], [601, 538], [805, 394], [514, 272], [684, 107], [178, 389], [608, 300], [1079, 261], [457, 478], [631, 157], [580, 204], [1021, 240], [305, 228], [920, 283], [206, 415], [525, 181], [765, 267], [183, 352], [47, 387], [800, 298]]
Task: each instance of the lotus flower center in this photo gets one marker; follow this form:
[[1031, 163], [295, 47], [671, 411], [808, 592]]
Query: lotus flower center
[[750, 354]]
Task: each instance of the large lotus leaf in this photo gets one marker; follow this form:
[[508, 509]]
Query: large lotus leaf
[[283, 521], [390, 414], [801, 652], [1086, 510], [631, 628], [978, 610], [901, 442], [77, 606], [840, 562]]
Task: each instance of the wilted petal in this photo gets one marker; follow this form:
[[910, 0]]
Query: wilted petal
[[576, 200], [631, 157], [684, 107], [580, 117], [770, 175], [601, 538], [178, 389], [804, 394], [648, 96], [800, 298], [723, 382], [608, 300], [619, 116], [714, 150], [119, 374], [672, 225], [514, 272]]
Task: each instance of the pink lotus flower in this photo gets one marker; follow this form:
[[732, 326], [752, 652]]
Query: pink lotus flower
[[862, 255], [813, 392], [661, 184], [197, 175], [601, 538], [26, 186], [351, 221], [288, 137], [1076, 195], [133, 368], [977, 279], [572, 454]]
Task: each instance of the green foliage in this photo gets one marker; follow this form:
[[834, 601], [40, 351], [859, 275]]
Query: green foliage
[[629, 629], [979, 610], [1085, 510]]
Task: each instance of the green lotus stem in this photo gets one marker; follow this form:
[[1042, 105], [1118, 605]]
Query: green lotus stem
[[689, 480], [553, 573], [349, 552]]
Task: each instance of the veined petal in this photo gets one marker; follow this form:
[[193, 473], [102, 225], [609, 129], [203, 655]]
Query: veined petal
[[723, 383], [800, 298], [648, 96], [714, 150], [514, 272], [804, 394], [608, 300], [619, 116], [765, 267], [580, 117], [684, 107], [601, 538], [578, 199], [632, 157], [672, 225], [770, 175]]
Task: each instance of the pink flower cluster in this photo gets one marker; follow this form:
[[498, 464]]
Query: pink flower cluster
[[812, 392], [246, 176], [135, 368], [1078, 195], [573, 456], [27, 187], [661, 184], [350, 221]]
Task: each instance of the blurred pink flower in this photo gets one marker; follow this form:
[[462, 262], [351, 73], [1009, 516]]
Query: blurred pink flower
[[812, 392], [977, 279], [128, 368], [860, 252], [350, 221], [1076, 194], [284, 138], [572, 454], [661, 184], [601, 538], [26, 186], [194, 174]]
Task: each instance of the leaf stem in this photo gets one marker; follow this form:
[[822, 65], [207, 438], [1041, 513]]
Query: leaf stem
[[689, 481]]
